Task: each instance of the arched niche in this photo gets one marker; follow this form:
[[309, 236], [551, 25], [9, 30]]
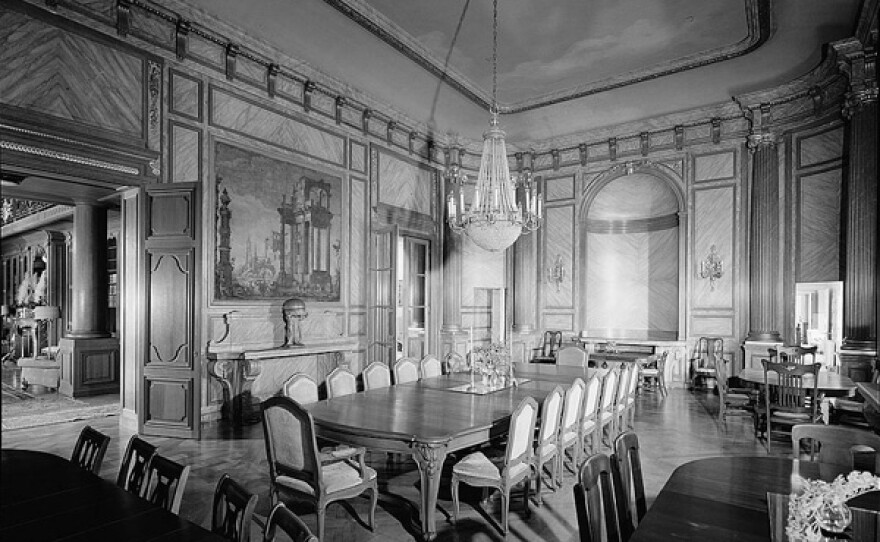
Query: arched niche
[[632, 225]]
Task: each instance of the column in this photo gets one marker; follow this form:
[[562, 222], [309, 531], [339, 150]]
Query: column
[[524, 295], [858, 353], [764, 239], [88, 316]]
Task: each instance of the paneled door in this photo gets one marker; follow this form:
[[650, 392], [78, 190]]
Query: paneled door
[[382, 302], [169, 372]]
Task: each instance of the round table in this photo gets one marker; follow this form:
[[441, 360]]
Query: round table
[[828, 381]]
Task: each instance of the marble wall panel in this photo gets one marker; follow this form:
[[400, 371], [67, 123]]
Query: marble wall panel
[[559, 322], [186, 154], [713, 224], [700, 131], [323, 103], [818, 248], [251, 119], [479, 270], [357, 160], [559, 188], [710, 167], [290, 89], [207, 52], [569, 156], [357, 242], [712, 326], [105, 9], [357, 324], [152, 28], [632, 282], [662, 139], [250, 71], [186, 96], [599, 150], [55, 72], [628, 145], [404, 184], [558, 232], [819, 148]]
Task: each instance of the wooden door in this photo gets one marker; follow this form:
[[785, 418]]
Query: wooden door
[[382, 302], [169, 373]]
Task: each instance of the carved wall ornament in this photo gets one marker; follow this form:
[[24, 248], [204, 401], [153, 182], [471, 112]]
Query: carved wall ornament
[[231, 60], [859, 99], [716, 131], [340, 104], [272, 79], [155, 98], [308, 88], [712, 267], [612, 148], [554, 153], [556, 273], [645, 143], [582, 152], [181, 38], [679, 137], [365, 120], [123, 17], [155, 168], [389, 131]]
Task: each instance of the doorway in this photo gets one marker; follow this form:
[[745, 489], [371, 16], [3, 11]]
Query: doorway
[[413, 287], [819, 318]]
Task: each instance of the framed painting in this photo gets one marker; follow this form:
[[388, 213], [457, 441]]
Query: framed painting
[[278, 229]]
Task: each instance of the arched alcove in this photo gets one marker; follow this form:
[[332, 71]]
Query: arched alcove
[[631, 232]]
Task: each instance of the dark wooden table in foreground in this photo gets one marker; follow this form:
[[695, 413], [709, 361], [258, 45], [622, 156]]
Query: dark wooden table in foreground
[[724, 498], [46, 497], [429, 420]]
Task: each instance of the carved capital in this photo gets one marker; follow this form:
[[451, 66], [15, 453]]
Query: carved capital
[[858, 99], [182, 38], [765, 139]]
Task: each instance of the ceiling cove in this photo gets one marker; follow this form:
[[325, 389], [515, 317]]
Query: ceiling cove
[[554, 53]]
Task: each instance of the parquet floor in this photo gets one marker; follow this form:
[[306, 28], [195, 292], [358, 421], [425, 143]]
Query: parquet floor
[[672, 431]]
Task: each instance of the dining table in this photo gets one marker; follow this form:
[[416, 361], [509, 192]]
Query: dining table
[[731, 497], [829, 384], [433, 417], [47, 497]]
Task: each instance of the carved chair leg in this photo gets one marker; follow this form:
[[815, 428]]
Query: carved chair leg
[[455, 503]]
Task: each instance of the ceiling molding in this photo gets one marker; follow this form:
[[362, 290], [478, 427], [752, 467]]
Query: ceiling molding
[[759, 21]]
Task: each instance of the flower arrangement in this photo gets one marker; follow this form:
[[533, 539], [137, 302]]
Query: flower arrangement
[[806, 506], [30, 294]]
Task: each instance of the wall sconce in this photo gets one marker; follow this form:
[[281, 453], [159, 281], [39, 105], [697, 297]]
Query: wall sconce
[[556, 274], [712, 267]]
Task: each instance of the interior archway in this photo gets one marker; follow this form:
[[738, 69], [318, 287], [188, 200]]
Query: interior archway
[[631, 228]]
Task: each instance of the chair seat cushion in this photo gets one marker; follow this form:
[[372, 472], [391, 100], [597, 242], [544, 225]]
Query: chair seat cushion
[[568, 437], [588, 426], [606, 417], [547, 450], [477, 465], [704, 371], [650, 372], [337, 477], [737, 398]]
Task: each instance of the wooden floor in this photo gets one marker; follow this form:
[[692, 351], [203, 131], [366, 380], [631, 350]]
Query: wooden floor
[[672, 431]]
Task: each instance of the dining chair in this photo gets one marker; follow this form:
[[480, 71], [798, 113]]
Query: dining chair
[[795, 354], [598, 499], [301, 388], [709, 351], [233, 510], [789, 402], [515, 465], [281, 518], [589, 423], [573, 356], [165, 483], [341, 382], [133, 469], [607, 407], [655, 373], [546, 352], [632, 391], [299, 472], [430, 367], [455, 363], [405, 370], [376, 376], [620, 396], [838, 445], [569, 431], [89, 450], [629, 466], [547, 443], [732, 401]]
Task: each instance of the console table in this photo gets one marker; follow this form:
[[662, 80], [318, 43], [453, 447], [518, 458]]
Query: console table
[[255, 375]]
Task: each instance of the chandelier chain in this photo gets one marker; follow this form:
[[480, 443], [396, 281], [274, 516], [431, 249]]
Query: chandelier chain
[[494, 56]]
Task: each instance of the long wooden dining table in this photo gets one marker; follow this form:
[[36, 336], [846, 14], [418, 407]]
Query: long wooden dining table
[[726, 498], [430, 419], [46, 497]]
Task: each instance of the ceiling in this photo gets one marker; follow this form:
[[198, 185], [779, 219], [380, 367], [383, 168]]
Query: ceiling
[[564, 66]]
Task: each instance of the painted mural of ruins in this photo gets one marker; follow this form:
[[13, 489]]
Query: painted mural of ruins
[[278, 229]]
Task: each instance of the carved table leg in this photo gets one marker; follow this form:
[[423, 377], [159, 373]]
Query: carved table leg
[[429, 458]]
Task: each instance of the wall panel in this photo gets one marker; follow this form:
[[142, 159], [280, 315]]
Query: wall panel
[[818, 243], [713, 224]]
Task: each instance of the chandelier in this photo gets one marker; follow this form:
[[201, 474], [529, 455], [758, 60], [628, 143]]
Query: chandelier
[[502, 207]]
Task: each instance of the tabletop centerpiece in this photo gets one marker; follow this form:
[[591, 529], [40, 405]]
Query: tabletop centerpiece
[[493, 363], [817, 506]]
